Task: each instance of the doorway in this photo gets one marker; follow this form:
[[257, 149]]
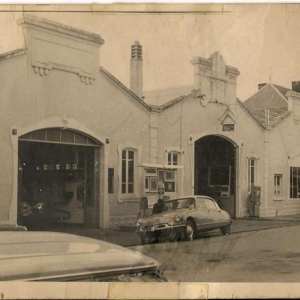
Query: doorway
[[59, 177], [215, 171]]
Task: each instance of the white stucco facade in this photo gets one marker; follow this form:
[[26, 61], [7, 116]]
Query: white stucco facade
[[57, 83]]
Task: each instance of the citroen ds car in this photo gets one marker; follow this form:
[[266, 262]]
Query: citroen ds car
[[183, 218]]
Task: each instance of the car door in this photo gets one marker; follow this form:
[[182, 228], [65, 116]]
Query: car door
[[201, 214], [214, 212]]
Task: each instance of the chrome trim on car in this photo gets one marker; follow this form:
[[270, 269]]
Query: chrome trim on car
[[159, 227]]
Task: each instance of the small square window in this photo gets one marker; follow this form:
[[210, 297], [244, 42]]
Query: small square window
[[228, 127]]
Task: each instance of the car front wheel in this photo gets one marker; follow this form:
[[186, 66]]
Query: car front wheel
[[190, 230], [225, 230], [146, 239]]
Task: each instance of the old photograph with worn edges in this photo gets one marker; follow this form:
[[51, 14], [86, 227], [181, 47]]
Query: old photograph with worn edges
[[150, 151]]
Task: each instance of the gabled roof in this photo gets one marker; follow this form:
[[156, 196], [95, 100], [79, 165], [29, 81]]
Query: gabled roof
[[124, 88], [193, 93], [268, 96], [268, 117], [282, 90], [162, 96], [268, 105]]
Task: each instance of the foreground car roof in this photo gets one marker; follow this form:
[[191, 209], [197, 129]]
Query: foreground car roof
[[45, 255]]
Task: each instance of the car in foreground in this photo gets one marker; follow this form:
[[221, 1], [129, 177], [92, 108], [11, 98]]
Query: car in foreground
[[183, 218], [52, 256]]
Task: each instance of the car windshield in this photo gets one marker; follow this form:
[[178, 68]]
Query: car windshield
[[180, 204]]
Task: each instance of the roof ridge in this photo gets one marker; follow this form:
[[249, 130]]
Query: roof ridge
[[276, 89], [125, 88]]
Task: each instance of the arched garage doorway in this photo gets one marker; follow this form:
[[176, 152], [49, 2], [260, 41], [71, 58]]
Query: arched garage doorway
[[59, 177], [215, 171]]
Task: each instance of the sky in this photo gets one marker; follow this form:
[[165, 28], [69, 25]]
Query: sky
[[261, 40]]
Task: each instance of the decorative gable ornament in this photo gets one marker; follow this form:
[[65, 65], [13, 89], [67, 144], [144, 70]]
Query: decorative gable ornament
[[227, 120]]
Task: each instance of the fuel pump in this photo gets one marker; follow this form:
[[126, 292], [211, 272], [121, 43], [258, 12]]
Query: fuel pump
[[254, 201]]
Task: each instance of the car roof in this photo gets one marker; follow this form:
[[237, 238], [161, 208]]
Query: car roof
[[191, 196], [33, 255]]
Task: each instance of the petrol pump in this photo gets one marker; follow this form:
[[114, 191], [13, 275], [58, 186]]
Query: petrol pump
[[254, 201]]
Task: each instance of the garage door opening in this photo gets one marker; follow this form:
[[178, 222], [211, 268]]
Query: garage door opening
[[58, 178], [215, 171]]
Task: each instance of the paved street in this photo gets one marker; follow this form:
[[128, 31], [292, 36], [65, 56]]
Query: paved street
[[271, 255], [125, 236]]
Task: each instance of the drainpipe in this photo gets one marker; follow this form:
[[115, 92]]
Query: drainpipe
[[265, 187]]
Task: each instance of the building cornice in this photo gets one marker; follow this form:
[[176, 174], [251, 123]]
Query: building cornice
[[202, 61], [12, 54], [293, 94], [59, 28], [232, 71]]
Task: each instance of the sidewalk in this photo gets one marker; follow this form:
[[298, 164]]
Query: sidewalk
[[126, 236]]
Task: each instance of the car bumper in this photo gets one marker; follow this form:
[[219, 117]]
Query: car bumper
[[159, 228]]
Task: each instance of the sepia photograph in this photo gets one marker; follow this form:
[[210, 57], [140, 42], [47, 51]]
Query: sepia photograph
[[150, 151]]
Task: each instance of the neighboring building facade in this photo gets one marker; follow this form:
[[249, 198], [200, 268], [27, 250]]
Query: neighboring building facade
[[76, 138], [277, 110]]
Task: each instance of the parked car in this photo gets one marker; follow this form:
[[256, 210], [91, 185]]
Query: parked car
[[183, 218], [52, 256], [24, 209], [34, 215]]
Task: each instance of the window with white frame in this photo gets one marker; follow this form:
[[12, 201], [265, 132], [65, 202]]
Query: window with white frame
[[150, 180], [173, 158], [166, 176], [294, 182], [170, 181], [251, 172], [128, 157], [278, 185]]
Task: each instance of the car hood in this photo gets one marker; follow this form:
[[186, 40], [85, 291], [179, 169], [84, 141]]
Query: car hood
[[45, 255], [164, 217]]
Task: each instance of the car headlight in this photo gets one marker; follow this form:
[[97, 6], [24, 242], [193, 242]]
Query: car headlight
[[138, 223], [177, 218], [25, 205], [39, 206]]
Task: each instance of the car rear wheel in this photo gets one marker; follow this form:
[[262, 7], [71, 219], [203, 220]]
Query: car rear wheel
[[225, 230], [190, 230]]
